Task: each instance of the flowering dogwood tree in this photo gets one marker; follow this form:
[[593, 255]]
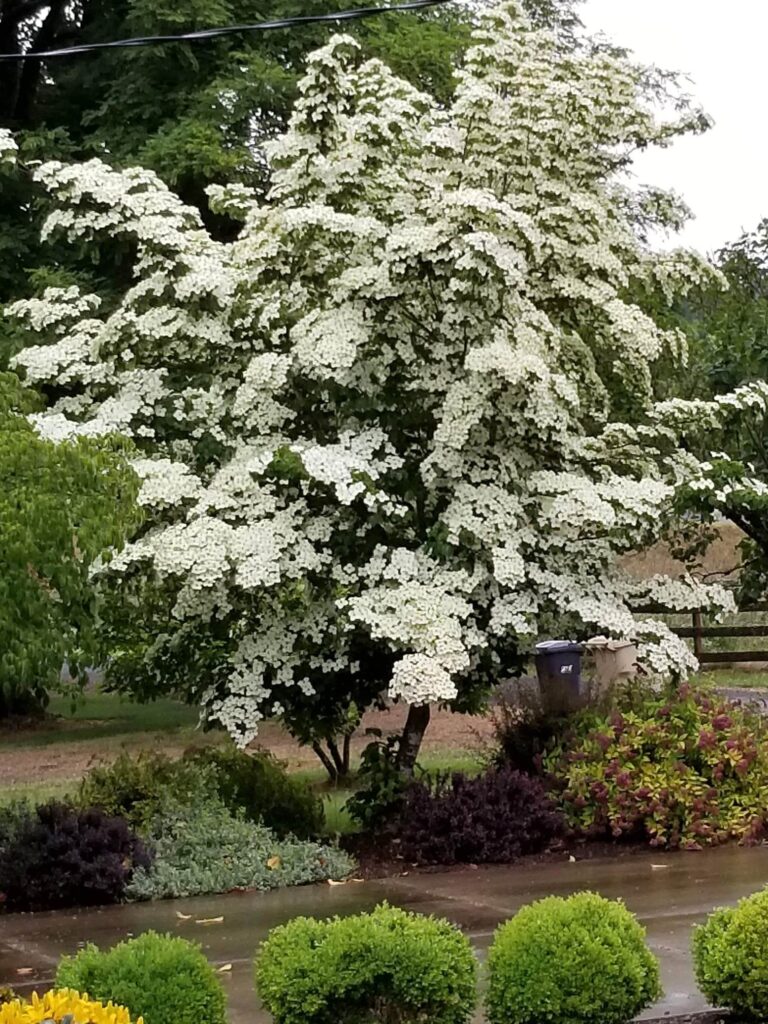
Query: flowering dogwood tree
[[383, 431]]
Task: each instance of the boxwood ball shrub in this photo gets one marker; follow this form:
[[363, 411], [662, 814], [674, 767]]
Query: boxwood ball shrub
[[61, 856], [494, 818], [162, 978], [580, 960], [730, 957], [388, 966]]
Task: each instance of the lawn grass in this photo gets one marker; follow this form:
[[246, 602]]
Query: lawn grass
[[38, 792], [96, 715], [742, 680]]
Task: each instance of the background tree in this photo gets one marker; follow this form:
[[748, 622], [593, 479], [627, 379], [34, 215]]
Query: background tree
[[381, 436], [61, 507], [197, 113], [726, 326]]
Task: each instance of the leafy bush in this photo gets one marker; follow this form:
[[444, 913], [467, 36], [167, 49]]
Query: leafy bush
[[62, 1006], [730, 957], [204, 849], [690, 770], [388, 966], [259, 786], [12, 816], [381, 786], [61, 856], [138, 787], [162, 978], [580, 960], [525, 728], [494, 818]]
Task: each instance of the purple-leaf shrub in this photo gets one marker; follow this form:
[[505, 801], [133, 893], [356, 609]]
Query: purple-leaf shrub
[[493, 818], [64, 856]]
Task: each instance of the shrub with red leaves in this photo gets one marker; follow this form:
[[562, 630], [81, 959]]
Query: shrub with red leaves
[[62, 856], [494, 818], [689, 770]]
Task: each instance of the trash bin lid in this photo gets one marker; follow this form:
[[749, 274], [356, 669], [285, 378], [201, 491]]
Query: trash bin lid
[[558, 647], [603, 643]]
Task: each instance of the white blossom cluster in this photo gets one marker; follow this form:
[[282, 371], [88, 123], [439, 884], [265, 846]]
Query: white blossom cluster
[[8, 147], [375, 432]]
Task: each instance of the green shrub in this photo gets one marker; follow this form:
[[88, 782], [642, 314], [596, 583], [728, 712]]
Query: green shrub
[[688, 770], [259, 786], [730, 957], [581, 960], [136, 787], [164, 979], [387, 966], [381, 786], [204, 849]]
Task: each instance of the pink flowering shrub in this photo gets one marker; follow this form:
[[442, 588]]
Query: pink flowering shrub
[[688, 770]]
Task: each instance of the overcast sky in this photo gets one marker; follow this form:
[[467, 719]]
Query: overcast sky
[[723, 175]]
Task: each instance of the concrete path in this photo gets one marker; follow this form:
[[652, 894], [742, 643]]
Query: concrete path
[[669, 892]]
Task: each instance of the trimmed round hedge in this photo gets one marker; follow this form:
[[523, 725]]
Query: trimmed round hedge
[[730, 957], [162, 978], [389, 965], [580, 960]]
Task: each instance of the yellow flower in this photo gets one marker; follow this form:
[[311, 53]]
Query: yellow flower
[[61, 1005]]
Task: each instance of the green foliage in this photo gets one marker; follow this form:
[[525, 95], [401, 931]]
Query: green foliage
[[381, 786], [580, 960], [164, 979], [201, 848], [730, 957], [61, 506], [388, 966], [259, 787], [726, 328], [686, 770], [138, 787]]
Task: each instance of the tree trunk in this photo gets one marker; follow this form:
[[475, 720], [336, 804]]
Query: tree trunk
[[413, 733], [32, 70], [327, 763], [338, 760]]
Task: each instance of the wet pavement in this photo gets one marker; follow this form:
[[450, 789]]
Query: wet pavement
[[669, 892]]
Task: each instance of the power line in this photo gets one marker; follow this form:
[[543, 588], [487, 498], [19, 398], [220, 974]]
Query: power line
[[226, 30]]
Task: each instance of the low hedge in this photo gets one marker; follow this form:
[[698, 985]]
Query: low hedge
[[162, 978], [388, 965], [730, 957], [580, 960]]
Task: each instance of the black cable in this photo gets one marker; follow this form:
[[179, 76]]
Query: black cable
[[227, 30]]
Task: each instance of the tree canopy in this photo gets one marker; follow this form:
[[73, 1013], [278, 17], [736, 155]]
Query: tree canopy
[[61, 507], [404, 424]]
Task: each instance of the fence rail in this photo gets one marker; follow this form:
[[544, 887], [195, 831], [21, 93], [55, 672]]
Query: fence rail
[[698, 632]]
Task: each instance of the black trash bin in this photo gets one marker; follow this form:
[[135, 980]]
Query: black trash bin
[[558, 666]]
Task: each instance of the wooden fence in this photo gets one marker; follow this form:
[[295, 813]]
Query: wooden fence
[[698, 632]]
